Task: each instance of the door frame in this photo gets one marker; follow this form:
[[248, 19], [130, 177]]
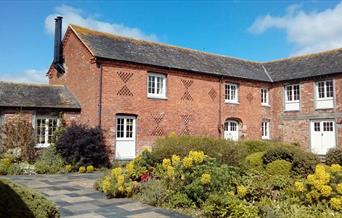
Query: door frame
[[237, 128], [322, 120], [125, 116]]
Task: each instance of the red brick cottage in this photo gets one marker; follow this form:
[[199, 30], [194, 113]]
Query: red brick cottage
[[138, 91]]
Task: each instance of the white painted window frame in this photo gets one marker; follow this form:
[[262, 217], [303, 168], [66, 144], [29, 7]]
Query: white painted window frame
[[265, 129], [46, 134], [161, 95], [324, 102], [265, 97], [125, 129], [234, 95], [295, 103]]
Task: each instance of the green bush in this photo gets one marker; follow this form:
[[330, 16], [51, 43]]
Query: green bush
[[153, 192], [227, 152], [90, 169], [304, 162], [5, 164], [334, 156], [228, 206], [82, 170], [49, 162], [257, 145], [254, 160], [279, 167], [19, 201], [278, 153]]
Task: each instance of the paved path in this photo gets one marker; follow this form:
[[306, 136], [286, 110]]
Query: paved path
[[76, 197]]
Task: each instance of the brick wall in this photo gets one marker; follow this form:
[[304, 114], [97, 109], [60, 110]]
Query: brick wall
[[199, 113], [294, 127]]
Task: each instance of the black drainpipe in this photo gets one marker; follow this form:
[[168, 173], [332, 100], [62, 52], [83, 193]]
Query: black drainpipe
[[99, 110], [220, 110]]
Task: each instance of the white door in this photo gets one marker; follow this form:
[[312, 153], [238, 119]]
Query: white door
[[125, 137], [231, 130], [323, 136]]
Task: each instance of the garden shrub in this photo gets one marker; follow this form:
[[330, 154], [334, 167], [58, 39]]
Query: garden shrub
[[19, 201], [254, 160], [277, 153], [304, 162], [49, 162], [17, 133], [334, 156], [82, 169], [5, 164], [227, 152], [279, 167], [68, 168], [90, 169], [153, 192], [80, 145], [325, 185], [254, 146]]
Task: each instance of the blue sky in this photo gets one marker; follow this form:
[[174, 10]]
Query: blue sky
[[253, 30]]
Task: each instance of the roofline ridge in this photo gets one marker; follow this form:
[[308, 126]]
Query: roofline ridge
[[161, 44], [31, 84]]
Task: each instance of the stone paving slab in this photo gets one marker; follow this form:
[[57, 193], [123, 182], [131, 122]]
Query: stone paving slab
[[76, 197]]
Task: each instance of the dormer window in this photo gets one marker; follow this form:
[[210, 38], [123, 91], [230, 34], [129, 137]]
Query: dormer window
[[292, 97], [324, 94]]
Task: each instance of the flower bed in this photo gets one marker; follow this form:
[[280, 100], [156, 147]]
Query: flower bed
[[202, 186]]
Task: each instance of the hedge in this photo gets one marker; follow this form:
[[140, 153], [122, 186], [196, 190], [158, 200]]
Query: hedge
[[20, 201]]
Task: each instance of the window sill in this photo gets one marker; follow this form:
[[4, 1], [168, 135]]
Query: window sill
[[42, 145], [266, 138], [157, 97], [291, 111], [266, 105], [231, 102]]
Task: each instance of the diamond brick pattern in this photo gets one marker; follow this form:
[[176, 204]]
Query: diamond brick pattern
[[124, 76], [158, 118], [124, 91], [186, 118], [187, 96], [212, 94]]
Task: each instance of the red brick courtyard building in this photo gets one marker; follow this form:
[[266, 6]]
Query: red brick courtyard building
[[137, 91]]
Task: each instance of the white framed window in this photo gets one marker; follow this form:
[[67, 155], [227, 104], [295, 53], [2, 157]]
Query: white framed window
[[324, 94], [156, 85], [231, 93], [265, 129], [292, 97], [45, 128], [264, 97]]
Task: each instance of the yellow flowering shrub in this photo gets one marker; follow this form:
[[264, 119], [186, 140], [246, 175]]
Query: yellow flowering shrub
[[90, 169], [241, 191], [175, 159], [322, 186], [116, 172], [82, 170], [336, 203], [187, 162], [68, 168], [170, 171], [130, 168], [339, 188], [197, 156], [205, 178], [335, 168], [106, 183], [166, 163], [299, 186]]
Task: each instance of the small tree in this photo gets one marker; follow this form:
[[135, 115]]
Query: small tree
[[18, 133], [80, 145]]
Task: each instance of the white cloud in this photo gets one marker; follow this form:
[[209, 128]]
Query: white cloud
[[308, 31], [27, 76], [74, 16]]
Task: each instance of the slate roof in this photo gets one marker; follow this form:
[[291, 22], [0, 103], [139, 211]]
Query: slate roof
[[109, 46], [319, 64], [36, 96], [104, 45]]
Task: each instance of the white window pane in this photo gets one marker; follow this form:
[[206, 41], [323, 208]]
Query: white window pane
[[330, 89], [321, 90], [289, 93]]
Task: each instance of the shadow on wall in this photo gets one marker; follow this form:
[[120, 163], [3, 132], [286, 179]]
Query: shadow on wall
[[11, 203]]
